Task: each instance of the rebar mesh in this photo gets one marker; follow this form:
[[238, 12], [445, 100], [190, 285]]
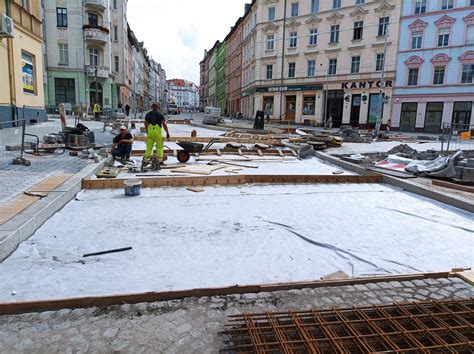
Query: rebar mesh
[[445, 326]]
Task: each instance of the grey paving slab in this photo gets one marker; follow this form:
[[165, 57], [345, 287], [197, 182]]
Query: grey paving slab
[[192, 325]]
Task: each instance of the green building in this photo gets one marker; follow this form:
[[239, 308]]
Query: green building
[[221, 67]]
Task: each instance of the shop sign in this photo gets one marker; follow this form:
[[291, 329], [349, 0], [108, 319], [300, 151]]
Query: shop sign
[[290, 88], [365, 84]]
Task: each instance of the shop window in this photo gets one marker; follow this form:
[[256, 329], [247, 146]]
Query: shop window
[[65, 91], [413, 76], [61, 17], [438, 76], [28, 72], [268, 105], [358, 30], [309, 105], [462, 113], [408, 116], [355, 65], [434, 115]]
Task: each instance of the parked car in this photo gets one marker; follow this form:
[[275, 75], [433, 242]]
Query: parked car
[[173, 109]]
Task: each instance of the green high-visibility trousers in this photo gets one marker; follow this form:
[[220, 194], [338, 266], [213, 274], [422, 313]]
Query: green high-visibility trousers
[[154, 136]]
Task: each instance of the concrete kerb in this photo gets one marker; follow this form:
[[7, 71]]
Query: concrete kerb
[[24, 225], [408, 185]]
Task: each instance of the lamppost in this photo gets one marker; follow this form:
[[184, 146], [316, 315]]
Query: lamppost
[[283, 57], [325, 95], [382, 87]]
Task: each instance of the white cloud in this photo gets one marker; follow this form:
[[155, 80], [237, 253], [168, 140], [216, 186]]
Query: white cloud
[[176, 32]]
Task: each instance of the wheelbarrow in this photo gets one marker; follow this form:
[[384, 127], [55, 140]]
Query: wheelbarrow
[[189, 148]]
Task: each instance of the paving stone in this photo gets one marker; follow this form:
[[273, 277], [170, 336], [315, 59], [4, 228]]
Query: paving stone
[[360, 287]]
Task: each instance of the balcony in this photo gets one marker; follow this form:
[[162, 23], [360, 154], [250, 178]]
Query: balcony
[[96, 4], [102, 71], [96, 34]]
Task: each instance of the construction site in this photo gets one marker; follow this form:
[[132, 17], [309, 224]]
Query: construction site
[[283, 240]]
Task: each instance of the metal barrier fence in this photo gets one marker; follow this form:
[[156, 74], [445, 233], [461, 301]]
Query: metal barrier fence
[[12, 134], [457, 137]]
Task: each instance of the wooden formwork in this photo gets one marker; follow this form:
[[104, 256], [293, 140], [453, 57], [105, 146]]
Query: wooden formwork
[[218, 139], [230, 151], [156, 182]]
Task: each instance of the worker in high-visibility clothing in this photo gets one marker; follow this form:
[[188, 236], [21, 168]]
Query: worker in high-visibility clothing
[[97, 110], [154, 123]]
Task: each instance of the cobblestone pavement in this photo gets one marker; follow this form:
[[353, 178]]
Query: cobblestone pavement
[[15, 179], [193, 325]]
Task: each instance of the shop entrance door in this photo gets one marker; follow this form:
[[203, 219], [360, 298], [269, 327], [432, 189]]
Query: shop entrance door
[[462, 114], [290, 107], [408, 116], [434, 115], [355, 110]]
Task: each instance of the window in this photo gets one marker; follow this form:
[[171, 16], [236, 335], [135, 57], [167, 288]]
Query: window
[[383, 25], [420, 6], [269, 72], [28, 72], [336, 4], [313, 36], [355, 65], [443, 37], [447, 4], [268, 105], [65, 91], [413, 77], [293, 39], [93, 20], [309, 103], [438, 77], [470, 34], [332, 67], [379, 62], [291, 69], [416, 38], [115, 33], [115, 4], [358, 30], [467, 74], [63, 53], [294, 9], [93, 56], [116, 63], [314, 6], [311, 67], [334, 34], [360, 2], [271, 42], [271, 13], [471, 3], [61, 16], [25, 4]]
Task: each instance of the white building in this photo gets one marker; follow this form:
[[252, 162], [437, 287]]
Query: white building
[[184, 93]]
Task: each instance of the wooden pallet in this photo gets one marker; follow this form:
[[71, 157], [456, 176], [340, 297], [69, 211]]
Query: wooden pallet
[[157, 182]]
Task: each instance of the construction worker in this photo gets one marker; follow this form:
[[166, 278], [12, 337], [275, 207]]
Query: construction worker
[[97, 110], [154, 122], [122, 146]]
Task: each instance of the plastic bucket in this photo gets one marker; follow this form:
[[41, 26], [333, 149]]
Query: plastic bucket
[[133, 187]]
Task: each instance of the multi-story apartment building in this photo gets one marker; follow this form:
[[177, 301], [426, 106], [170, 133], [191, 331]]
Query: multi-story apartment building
[[212, 97], [315, 60], [21, 63], [204, 80], [233, 79], [184, 93], [221, 61], [435, 65], [157, 82], [78, 53]]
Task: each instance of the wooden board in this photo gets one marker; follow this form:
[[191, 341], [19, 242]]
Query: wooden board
[[459, 187], [156, 182], [217, 139], [19, 203], [227, 151], [198, 169]]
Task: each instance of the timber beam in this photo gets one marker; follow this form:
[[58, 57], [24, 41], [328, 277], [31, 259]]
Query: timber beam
[[15, 308], [229, 151], [179, 181], [217, 140]]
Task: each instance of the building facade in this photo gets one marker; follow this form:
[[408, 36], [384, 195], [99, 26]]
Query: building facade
[[212, 97], [185, 94], [249, 58], [204, 81], [21, 63], [435, 66], [233, 79], [321, 60], [221, 67]]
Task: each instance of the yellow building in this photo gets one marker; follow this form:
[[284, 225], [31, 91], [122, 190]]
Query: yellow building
[[21, 62]]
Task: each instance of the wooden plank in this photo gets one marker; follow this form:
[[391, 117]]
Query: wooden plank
[[240, 152], [459, 187], [198, 169], [227, 151], [175, 181], [20, 307], [219, 152], [217, 139], [260, 153]]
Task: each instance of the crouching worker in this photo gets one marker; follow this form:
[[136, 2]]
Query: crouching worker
[[154, 123], [122, 146]]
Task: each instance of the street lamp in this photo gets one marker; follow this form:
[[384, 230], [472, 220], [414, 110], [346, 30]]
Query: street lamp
[[382, 87]]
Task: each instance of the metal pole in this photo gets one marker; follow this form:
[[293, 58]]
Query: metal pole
[[23, 125], [326, 99], [96, 86], [283, 57], [382, 86]]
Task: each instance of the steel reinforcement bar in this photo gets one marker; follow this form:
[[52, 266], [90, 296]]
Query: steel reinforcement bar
[[444, 326], [156, 182]]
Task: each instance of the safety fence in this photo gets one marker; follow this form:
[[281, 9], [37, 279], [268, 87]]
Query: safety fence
[[457, 137]]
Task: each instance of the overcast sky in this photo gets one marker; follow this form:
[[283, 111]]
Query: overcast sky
[[176, 32]]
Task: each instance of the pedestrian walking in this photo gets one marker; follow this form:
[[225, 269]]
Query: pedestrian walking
[[154, 123], [127, 110]]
